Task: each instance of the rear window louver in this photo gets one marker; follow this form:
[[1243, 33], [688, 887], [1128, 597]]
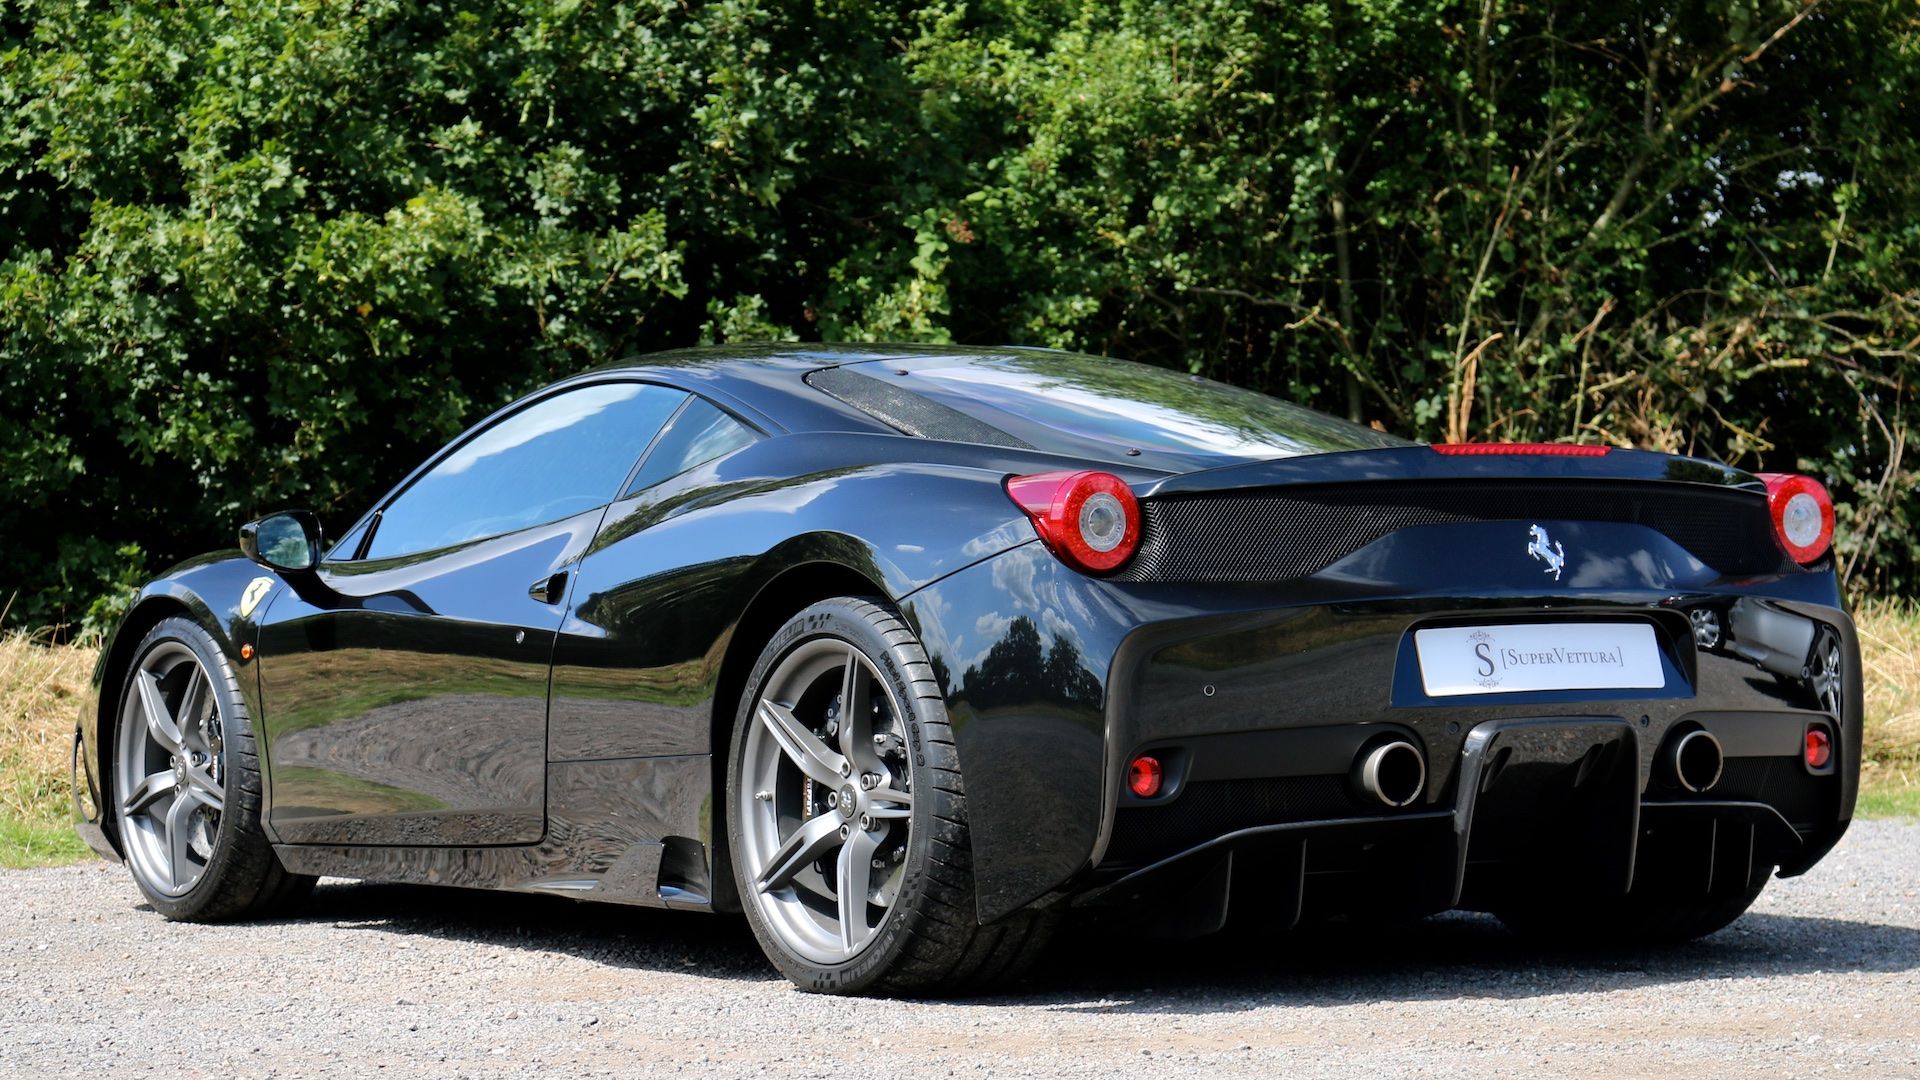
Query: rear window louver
[[906, 411]]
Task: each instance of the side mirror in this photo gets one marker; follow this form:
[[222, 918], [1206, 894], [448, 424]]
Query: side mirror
[[288, 541]]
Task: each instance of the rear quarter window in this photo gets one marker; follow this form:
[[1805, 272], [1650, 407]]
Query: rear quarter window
[[701, 433]]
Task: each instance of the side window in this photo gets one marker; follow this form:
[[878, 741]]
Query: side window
[[550, 460], [699, 434]]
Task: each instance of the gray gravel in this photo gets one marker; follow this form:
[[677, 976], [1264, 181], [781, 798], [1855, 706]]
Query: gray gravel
[[1823, 976]]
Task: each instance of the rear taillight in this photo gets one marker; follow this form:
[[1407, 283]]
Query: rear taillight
[[1490, 449], [1802, 515], [1089, 519]]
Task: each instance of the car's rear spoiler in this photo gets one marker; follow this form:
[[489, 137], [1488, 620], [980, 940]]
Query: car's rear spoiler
[[1405, 463]]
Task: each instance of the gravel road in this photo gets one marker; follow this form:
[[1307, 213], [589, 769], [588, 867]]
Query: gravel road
[[1823, 976]]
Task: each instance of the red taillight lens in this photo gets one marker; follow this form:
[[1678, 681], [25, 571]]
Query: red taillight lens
[[1819, 748], [1145, 776], [1802, 514], [1489, 449], [1089, 519]]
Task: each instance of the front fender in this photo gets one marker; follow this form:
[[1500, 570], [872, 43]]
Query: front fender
[[209, 590]]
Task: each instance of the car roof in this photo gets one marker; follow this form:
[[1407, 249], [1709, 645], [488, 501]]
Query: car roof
[[1090, 408], [767, 380]]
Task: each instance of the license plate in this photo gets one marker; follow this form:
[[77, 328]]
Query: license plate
[[1512, 658]]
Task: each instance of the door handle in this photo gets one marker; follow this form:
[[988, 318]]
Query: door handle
[[549, 589]]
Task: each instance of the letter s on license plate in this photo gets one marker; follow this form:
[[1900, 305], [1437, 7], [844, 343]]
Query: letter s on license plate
[[1508, 659]]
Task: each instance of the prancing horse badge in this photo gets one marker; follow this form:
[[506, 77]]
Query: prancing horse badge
[[257, 590], [1539, 547]]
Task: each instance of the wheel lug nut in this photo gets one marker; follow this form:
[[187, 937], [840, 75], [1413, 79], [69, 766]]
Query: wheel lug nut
[[868, 781], [833, 798], [846, 768], [845, 832], [866, 823]]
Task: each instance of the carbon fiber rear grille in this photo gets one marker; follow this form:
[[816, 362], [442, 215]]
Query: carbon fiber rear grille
[[1279, 534], [1212, 808], [1782, 783]]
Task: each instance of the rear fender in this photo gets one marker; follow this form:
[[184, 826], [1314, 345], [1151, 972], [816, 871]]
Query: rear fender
[[1022, 647]]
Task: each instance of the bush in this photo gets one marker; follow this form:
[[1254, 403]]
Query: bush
[[267, 253], [41, 688]]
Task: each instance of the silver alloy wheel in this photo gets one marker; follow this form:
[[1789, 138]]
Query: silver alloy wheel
[[825, 801], [171, 769], [1824, 672]]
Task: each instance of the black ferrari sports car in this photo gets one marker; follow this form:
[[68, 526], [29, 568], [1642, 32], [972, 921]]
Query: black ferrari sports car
[[909, 653]]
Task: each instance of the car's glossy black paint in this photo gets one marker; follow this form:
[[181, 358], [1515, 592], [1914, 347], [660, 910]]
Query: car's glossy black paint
[[1178, 662], [406, 698], [1422, 463], [1053, 678]]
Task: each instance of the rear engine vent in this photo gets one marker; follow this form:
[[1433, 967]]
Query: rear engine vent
[[1271, 535]]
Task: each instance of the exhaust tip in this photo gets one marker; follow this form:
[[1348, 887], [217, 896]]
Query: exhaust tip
[[1393, 772], [1697, 760]]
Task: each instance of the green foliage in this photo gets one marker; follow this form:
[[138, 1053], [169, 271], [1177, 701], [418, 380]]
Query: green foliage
[[25, 845], [1889, 802], [266, 253]]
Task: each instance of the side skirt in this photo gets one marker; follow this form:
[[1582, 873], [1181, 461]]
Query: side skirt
[[625, 830]]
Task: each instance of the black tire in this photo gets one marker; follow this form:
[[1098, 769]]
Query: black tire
[[1657, 915], [931, 942], [242, 878]]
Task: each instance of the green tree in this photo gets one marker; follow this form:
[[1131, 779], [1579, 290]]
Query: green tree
[[267, 252]]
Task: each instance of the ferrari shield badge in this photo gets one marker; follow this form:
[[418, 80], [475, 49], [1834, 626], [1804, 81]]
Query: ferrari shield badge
[[1550, 552], [257, 590]]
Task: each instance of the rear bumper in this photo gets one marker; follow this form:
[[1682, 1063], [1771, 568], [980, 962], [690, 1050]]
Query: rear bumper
[[1527, 796], [1540, 809], [1055, 681], [1266, 723]]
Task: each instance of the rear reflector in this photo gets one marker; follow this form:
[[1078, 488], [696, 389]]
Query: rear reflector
[[1145, 776], [1819, 748], [1493, 449]]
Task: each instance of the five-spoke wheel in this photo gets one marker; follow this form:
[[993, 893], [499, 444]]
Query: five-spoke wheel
[[826, 805], [847, 829], [1826, 673], [186, 783], [171, 769]]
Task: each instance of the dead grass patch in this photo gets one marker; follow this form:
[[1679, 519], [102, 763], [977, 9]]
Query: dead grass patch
[[40, 689]]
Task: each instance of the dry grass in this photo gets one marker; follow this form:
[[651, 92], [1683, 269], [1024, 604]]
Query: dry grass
[[1890, 652], [40, 686]]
